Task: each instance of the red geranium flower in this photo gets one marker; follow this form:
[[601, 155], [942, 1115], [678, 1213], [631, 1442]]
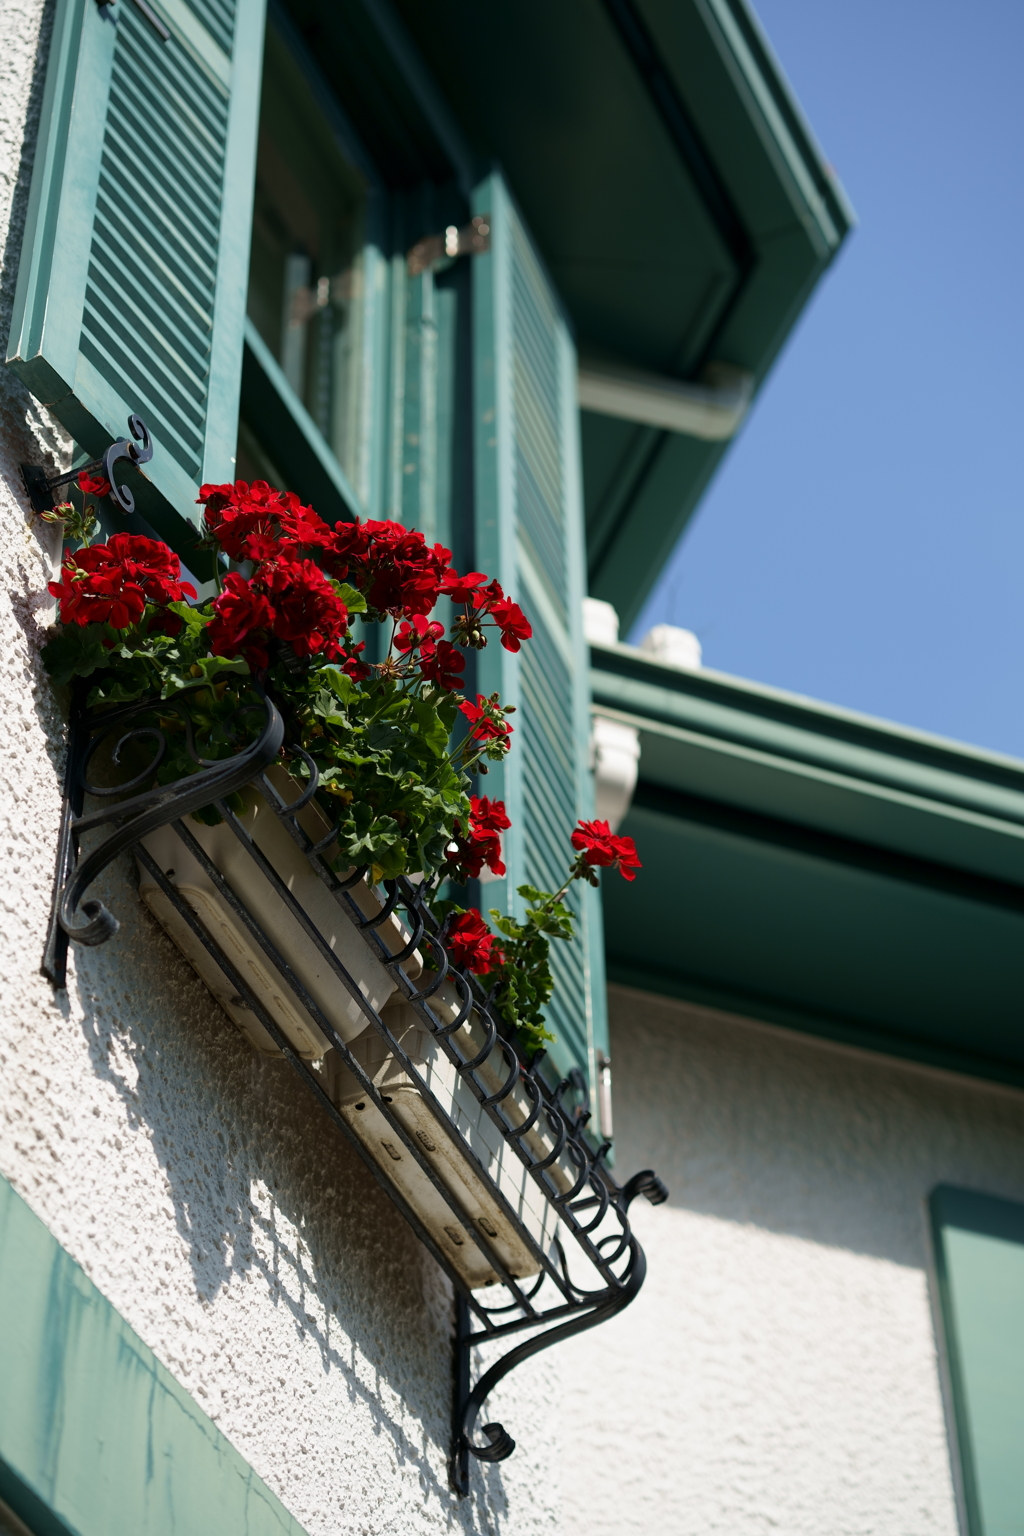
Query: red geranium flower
[[151, 563], [241, 622], [472, 944], [417, 631], [486, 721], [392, 565], [462, 589], [442, 664], [307, 612], [599, 845], [351, 664], [513, 623], [488, 815], [93, 485], [481, 845], [255, 522], [111, 583]]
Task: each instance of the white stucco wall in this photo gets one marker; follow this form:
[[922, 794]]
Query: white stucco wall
[[199, 1186], [778, 1373]]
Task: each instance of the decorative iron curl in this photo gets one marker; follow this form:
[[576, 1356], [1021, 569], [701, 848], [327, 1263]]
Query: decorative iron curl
[[143, 813], [135, 450]]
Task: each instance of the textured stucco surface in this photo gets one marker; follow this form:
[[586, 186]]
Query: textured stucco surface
[[779, 1370], [197, 1184]]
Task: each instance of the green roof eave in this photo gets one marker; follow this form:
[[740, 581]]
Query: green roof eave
[[813, 867], [679, 198]]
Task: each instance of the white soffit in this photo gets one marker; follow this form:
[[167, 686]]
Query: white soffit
[[712, 410]]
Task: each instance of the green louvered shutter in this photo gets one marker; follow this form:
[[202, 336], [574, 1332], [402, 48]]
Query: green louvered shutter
[[979, 1251], [131, 288], [529, 531]]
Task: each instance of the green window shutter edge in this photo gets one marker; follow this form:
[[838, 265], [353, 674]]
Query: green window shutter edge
[[496, 553], [96, 1436], [986, 1484], [494, 496], [44, 341]]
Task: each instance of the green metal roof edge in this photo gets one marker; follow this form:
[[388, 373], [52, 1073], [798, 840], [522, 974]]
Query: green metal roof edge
[[96, 1436], [753, 50], [818, 766], [610, 665]]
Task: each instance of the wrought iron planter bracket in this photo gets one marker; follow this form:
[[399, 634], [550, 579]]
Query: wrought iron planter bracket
[[592, 1214], [135, 450]]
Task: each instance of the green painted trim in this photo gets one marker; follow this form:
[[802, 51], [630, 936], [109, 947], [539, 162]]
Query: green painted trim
[[234, 242], [878, 883], [979, 1260], [494, 529], [96, 1436], [293, 440]]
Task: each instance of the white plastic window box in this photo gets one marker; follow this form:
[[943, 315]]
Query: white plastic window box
[[338, 930], [452, 1160]]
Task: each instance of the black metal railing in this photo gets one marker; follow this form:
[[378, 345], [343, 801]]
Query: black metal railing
[[593, 1265]]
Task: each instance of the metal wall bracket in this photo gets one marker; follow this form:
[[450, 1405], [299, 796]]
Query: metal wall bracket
[[41, 487], [593, 1266]]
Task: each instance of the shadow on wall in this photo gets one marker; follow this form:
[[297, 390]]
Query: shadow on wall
[[756, 1125], [266, 1191]]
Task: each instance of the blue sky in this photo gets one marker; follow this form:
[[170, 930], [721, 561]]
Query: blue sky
[[864, 540]]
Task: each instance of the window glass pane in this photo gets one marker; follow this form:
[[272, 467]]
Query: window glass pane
[[305, 275]]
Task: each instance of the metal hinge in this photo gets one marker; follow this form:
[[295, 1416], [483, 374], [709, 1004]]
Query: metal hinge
[[473, 239]]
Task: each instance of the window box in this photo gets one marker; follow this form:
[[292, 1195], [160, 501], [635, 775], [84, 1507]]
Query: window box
[[476, 1163], [259, 867]]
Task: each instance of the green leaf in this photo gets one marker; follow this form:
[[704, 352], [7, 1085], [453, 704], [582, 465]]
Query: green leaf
[[354, 601], [341, 683], [195, 619], [76, 651]]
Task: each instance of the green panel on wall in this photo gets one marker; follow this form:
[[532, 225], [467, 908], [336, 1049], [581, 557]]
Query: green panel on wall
[[979, 1243], [96, 1437]]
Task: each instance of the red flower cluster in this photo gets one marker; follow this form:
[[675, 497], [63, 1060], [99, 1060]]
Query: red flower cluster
[[481, 844], [473, 946], [255, 522], [391, 565], [111, 583], [598, 845], [485, 602], [289, 599]]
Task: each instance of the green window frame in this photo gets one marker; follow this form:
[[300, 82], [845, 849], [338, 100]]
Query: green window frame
[[979, 1256]]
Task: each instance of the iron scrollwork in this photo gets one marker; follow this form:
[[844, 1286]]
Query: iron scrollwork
[[135, 450], [132, 817], [594, 1266]]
